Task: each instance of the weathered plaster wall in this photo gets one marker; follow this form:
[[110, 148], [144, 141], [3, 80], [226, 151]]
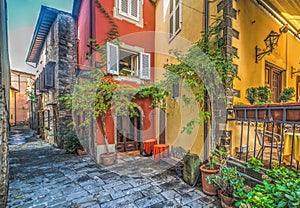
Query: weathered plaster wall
[[19, 105], [178, 113]]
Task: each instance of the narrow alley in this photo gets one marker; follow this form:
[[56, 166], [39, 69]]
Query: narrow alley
[[44, 176]]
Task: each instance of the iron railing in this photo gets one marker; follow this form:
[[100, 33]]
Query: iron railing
[[266, 121]]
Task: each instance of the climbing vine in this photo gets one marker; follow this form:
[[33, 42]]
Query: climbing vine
[[204, 67]]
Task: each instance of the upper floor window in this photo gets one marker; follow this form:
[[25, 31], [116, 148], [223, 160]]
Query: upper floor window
[[174, 18], [129, 10], [128, 61]]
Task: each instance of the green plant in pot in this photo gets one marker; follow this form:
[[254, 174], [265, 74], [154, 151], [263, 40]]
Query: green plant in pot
[[71, 142], [230, 184], [251, 95], [218, 157], [287, 94], [263, 94]]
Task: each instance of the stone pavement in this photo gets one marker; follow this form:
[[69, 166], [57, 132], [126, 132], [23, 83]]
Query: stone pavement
[[44, 176]]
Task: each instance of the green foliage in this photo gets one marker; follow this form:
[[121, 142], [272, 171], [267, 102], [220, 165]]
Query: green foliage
[[217, 158], [281, 188], [259, 95], [229, 181], [99, 94], [254, 164], [251, 94], [287, 94], [71, 142], [263, 94], [205, 66]]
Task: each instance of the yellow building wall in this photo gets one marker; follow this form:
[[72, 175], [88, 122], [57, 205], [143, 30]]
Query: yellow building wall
[[254, 24], [178, 113]]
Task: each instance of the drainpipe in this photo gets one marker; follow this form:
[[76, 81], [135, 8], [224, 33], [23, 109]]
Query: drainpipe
[[206, 22], [93, 136]]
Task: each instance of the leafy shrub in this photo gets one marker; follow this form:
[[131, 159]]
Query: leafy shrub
[[71, 142], [287, 94], [251, 94], [280, 188]]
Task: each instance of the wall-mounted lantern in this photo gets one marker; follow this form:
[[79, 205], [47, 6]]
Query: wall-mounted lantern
[[270, 42], [294, 71]]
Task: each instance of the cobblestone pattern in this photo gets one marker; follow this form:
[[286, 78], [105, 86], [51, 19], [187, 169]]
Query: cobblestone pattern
[[43, 176]]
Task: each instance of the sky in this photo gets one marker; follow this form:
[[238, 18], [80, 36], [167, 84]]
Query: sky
[[22, 17]]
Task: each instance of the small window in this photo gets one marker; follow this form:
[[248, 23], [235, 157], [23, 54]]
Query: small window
[[37, 86], [174, 18], [130, 10], [52, 40], [42, 81], [124, 62], [49, 75]]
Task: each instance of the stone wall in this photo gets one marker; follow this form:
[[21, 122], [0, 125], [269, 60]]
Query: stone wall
[[60, 48], [4, 104], [3, 149]]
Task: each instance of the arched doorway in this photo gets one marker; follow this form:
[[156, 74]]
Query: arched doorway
[[128, 132]]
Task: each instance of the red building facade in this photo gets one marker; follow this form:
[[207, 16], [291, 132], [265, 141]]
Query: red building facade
[[126, 30]]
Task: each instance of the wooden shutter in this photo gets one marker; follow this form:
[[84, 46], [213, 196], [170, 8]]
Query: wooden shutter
[[123, 7], [177, 16], [134, 9], [174, 18], [37, 86], [112, 51], [42, 81], [145, 66], [49, 75]]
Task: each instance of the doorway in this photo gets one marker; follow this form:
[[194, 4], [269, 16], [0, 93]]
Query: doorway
[[128, 132]]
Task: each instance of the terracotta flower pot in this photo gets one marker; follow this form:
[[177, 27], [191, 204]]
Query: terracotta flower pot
[[208, 188], [81, 152], [226, 201], [107, 158]]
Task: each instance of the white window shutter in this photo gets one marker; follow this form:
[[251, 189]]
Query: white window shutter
[[145, 66], [123, 7], [134, 9], [112, 53]]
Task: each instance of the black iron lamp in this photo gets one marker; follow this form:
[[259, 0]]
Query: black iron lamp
[[270, 41]]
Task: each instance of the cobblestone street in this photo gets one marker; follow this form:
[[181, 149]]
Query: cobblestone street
[[44, 176]]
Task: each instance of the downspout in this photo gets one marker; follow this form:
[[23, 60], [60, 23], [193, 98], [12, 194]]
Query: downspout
[[206, 22], [93, 136]]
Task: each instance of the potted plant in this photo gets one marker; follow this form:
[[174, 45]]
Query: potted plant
[[72, 144], [217, 158], [230, 184], [257, 98]]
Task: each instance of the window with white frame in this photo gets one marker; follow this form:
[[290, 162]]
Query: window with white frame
[[125, 62], [129, 10], [174, 18]]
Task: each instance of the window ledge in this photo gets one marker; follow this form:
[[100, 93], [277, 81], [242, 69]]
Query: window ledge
[[127, 78]]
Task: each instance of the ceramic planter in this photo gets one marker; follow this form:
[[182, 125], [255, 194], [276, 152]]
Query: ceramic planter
[[208, 188], [226, 201], [107, 158]]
